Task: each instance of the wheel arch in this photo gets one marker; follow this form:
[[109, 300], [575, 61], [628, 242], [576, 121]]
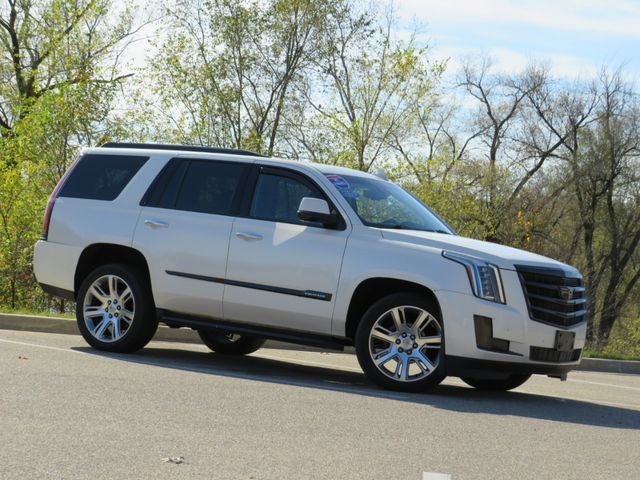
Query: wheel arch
[[373, 289], [99, 254]]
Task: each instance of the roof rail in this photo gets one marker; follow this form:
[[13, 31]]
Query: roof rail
[[187, 148]]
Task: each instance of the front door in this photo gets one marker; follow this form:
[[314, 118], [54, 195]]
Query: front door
[[282, 272]]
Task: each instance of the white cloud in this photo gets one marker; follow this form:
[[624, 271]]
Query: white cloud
[[613, 17], [459, 28], [506, 60], [564, 65]]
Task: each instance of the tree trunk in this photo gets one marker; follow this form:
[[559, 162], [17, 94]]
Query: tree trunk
[[607, 319], [13, 292], [610, 307]]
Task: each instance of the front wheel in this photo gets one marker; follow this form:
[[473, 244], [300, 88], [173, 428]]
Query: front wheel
[[230, 343], [400, 343], [499, 384]]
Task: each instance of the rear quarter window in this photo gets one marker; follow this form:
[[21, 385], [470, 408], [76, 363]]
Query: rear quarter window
[[101, 177]]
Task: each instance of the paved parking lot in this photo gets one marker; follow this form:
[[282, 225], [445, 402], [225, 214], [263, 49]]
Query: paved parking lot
[[67, 411]]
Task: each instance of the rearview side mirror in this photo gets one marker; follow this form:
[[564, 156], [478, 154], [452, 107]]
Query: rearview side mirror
[[317, 210]]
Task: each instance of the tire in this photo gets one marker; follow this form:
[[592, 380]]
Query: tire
[[115, 309], [497, 385], [401, 366], [229, 343]]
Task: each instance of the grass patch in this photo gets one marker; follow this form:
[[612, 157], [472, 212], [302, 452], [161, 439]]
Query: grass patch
[[609, 355], [19, 311]]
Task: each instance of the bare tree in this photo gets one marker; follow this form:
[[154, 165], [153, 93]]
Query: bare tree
[[500, 101], [600, 135], [613, 180], [226, 69], [368, 83]]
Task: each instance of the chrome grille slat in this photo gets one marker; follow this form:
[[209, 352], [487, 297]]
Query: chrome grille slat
[[544, 289], [555, 288], [559, 301], [562, 314]]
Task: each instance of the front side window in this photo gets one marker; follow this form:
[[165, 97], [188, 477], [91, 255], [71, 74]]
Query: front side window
[[277, 198], [383, 204]]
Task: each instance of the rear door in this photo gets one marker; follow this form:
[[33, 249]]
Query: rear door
[[184, 230], [282, 272]]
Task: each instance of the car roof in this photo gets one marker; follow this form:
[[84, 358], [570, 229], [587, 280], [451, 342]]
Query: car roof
[[323, 168], [242, 155], [328, 169]]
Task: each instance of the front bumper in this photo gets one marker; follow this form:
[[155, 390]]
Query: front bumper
[[510, 323], [473, 368]]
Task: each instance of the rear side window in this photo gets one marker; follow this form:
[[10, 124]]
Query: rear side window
[[164, 189], [208, 187], [101, 177]]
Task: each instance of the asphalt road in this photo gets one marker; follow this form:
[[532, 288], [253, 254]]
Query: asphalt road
[[69, 412]]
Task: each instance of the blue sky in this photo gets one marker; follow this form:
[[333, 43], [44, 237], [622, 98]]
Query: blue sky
[[575, 37]]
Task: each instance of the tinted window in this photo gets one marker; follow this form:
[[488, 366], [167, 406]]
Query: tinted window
[[209, 187], [170, 192], [101, 177], [164, 189], [277, 198]]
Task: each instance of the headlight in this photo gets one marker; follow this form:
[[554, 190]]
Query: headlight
[[484, 277]]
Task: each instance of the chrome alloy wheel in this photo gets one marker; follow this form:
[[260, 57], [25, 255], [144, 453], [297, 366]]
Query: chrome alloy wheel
[[108, 308], [405, 343]]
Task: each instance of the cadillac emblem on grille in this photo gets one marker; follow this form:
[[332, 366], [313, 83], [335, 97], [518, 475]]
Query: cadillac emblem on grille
[[567, 293]]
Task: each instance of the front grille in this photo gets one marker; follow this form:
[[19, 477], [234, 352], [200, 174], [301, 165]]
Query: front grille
[[552, 297], [550, 355]]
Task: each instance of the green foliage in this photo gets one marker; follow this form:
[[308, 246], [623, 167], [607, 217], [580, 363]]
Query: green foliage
[[58, 59], [40, 149], [19, 207], [373, 83], [225, 70], [625, 339]]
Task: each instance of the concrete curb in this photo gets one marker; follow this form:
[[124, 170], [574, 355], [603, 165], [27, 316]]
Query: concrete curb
[[610, 366], [35, 323]]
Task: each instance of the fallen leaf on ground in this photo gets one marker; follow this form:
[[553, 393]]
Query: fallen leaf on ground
[[20, 357], [177, 460]]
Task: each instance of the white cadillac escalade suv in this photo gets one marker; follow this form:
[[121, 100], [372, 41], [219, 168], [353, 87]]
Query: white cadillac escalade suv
[[245, 248]]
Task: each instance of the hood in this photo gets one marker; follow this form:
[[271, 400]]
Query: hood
[[502, 256]]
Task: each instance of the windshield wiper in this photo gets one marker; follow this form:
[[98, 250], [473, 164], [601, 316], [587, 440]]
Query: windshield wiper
[[405, 227], [394, 227]]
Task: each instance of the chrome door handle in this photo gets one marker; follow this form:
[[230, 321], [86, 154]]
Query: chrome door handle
[[248, 236], [156, 224]]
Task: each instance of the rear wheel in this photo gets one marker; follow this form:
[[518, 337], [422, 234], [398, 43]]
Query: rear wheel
[[400, 343], [497, 385], [229, 343], [115, 310]]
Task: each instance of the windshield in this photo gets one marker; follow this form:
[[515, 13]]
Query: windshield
[[383, 204]]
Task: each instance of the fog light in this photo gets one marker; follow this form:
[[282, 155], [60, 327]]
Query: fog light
[[484, 336]]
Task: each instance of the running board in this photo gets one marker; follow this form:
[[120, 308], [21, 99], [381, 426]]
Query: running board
[[281, 334]]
